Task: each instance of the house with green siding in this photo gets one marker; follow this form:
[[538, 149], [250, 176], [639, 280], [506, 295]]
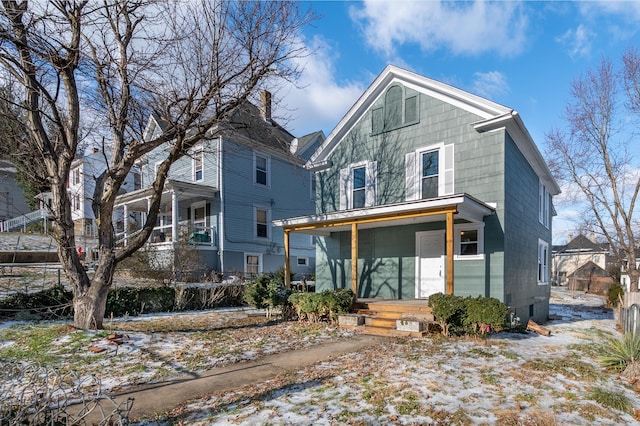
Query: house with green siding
[[424, 188], [220, 198]]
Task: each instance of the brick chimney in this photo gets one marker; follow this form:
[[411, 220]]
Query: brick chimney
[[265, 106]]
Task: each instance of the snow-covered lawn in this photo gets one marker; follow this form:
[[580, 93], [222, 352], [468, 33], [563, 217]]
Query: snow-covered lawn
[[507, 379]]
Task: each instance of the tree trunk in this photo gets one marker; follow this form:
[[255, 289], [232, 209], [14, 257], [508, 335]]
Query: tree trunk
[[89, 309]]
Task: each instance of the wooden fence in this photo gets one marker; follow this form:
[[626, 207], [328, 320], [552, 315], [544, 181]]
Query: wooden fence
[[629, 319]]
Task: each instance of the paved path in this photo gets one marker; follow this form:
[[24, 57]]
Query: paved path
[[161, 397]]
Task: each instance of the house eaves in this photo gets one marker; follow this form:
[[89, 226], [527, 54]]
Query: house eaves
[[483, 108], [464, 206]]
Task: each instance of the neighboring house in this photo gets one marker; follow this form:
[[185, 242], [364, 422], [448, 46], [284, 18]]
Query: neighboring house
[[590, 278], [85, 172], [425, 188], [624, 276], [221, 198], [12, 200], [576, 253]]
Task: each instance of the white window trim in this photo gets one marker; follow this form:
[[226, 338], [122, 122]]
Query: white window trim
[[304, 258], [198, 152], [255, 170], [543, 205], [457, 241], [446, 170], [370, 186], [543, 245], [259, 261], [255, 222]]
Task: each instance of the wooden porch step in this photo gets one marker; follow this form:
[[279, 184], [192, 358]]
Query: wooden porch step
[[381, 314], [380, 322], [377, 331]]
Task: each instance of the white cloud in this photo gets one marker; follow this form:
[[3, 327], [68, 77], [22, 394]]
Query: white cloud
[[578, 41], [320, 102], [491, 85], [462, 28]]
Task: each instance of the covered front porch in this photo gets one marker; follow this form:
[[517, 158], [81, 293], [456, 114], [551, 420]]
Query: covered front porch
[[460, 208], [185, 215]]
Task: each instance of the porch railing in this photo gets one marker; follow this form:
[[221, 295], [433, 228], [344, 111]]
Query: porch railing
[[198, 235], [23, 220]]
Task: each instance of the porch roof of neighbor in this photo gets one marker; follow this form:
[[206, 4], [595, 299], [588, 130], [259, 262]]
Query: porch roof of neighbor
[[432, 210], [185, 190]]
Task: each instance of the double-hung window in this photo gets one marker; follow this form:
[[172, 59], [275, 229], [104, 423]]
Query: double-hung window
[[261, 220], [543, 262], [429, 172], [358, 185], [359, 189], [261, 167], [544, 201], [197, 165]]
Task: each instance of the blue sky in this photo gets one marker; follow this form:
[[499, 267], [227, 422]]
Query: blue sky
[[523, 55]]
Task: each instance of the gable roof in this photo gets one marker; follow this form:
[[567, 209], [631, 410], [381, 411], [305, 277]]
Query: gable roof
[[581, 244], [492, 115], [589, 269]]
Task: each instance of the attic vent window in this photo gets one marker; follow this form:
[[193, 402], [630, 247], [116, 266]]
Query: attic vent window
[[400, 109]]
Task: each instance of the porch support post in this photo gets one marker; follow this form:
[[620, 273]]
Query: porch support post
[[287, 260], [449, 242], [354, 258], [125, 224], [174, 216]]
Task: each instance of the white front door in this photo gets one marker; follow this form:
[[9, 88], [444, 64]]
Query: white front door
[[430, 258]]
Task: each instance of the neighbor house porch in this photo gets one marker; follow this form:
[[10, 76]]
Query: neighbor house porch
[[185, 215]]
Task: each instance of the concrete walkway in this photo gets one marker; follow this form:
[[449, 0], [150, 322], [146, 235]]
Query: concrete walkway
[[161, 397]]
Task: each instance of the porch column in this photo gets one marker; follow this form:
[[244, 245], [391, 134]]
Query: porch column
[[125, 224], [287, 260], [449, 249], [354, 258], [174, 216]]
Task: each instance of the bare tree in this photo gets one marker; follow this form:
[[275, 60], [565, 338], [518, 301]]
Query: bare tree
[[96, 70], [593, 154]]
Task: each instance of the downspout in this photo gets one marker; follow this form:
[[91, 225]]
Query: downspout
[[221, 232]]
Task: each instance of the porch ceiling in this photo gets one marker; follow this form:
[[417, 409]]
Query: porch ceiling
[[433, 210], [137, 200]]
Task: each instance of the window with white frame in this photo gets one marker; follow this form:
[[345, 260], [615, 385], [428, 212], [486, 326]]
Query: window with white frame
[[469, 240], [429, 172], [75, 201], [252, 265], [544, 201], [261, 165], [196, 165], [261, 220], [303, 261], [358, 185], [75, 176], [543, 262]]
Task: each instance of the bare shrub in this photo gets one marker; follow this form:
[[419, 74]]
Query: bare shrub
[[32, 394]]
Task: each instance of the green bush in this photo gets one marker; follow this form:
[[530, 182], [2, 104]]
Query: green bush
[[448, 310], [269, 292], [484, 314], [52, 303], [615, 292], [328, 304], [618, 353]]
